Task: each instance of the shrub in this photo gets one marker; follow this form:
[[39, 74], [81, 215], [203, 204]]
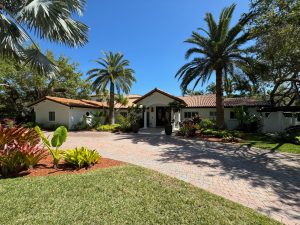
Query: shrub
[[187, 129], [16, 157], [217, 133], [108, 127], [81, 157], [32, 154], [11, 161], [59, 137], [21, 135], [208, 124]]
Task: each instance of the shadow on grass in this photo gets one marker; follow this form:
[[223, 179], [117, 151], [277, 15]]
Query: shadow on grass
[[265, 169]]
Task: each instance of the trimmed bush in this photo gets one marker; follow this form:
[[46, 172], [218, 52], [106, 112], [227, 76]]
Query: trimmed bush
[[208, 124], [81, 157], [108, 127]]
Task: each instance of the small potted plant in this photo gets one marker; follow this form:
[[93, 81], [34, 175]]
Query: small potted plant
[[168, 128]]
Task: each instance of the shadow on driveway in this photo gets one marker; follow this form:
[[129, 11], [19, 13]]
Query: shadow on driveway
[[265, 169]]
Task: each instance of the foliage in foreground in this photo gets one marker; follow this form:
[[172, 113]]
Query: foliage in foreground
[[119, 195], [19, 150], [50, 20], [81, 157], [59, 137]]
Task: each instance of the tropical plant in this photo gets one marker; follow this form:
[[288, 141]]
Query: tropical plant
[[50, 20], [80, 157], [11, 161], [32, 155], [219, 51], [58, 138], [109, 127], [21, 135], [16, 157], [114, 70], [207, 124]]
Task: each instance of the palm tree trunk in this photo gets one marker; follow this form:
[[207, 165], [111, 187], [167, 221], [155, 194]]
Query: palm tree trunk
[[112, 103], [219, 99]]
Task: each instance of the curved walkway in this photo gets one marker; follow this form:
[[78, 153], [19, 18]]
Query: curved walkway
[[267, 182]]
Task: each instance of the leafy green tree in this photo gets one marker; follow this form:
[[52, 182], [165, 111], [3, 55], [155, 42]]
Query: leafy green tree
[[211, 88], [49, 20], [21, 86], [192, 92], [277, 32], [219, 50], [113, 71]]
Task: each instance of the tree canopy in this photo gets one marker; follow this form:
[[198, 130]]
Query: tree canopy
[[21, 86]]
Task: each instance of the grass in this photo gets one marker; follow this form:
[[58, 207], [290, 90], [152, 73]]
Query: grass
[[266, 142], [119, 195]]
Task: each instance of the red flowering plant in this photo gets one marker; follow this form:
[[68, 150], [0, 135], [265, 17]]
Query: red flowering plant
[[19, 150]]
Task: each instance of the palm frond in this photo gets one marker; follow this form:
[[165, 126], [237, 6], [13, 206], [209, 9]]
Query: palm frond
[[52, 20], [40, 62]]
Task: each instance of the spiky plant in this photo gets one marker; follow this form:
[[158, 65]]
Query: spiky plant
[[218, 49], [48, 20], [114, 71]]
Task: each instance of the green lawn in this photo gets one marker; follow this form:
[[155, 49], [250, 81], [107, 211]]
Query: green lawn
[[266, 142], [119, 195]]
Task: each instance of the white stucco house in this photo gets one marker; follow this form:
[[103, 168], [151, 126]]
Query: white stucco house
[[54, 110]]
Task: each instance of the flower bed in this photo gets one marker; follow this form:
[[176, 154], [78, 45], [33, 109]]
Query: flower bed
[[45, 167]]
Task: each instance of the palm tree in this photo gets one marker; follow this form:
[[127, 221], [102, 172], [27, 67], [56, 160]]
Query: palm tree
[[49, 20], [219, 51], [114, 71]]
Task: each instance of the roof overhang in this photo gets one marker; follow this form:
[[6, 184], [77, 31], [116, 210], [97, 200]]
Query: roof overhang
[[280, 108], [161, 92], [65, 104]]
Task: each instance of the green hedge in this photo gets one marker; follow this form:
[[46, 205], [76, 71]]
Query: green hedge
[[109, 127]]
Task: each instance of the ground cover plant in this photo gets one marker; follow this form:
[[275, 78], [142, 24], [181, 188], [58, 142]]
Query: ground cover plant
[[81, 157], [108, 127], [117, 195]]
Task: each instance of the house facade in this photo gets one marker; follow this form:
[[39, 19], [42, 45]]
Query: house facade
[[69, 112]]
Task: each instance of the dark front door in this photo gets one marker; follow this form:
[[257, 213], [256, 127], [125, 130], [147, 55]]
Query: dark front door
[[163, 116]]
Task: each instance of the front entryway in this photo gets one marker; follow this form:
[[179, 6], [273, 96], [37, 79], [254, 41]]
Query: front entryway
[[163, 116]]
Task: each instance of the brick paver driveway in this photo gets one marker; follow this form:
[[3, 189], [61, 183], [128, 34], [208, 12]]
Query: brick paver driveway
[[267, 182]]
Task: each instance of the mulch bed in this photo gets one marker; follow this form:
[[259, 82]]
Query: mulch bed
[[45, 167]]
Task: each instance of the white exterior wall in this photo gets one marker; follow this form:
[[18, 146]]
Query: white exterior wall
[[277, 122], [42, 109], [205, 113], [76, 115], [151, 102]]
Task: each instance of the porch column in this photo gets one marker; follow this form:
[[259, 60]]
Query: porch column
[[173, 118], [145, 119], [179, 117]]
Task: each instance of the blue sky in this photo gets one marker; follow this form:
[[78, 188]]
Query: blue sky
[[149, 33]]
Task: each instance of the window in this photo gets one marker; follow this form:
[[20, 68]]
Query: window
[[288, 115], [51, 116], [189, 115], [232, 115], [213, 114]]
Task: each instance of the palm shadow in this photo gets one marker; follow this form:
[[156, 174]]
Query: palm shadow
[[265, 169]]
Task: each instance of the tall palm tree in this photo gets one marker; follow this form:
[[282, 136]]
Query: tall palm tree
[[48, 19], [219, 50], [114, 71]]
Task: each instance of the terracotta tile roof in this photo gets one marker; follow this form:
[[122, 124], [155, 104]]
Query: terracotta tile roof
[[207, 101], [82, 103]]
